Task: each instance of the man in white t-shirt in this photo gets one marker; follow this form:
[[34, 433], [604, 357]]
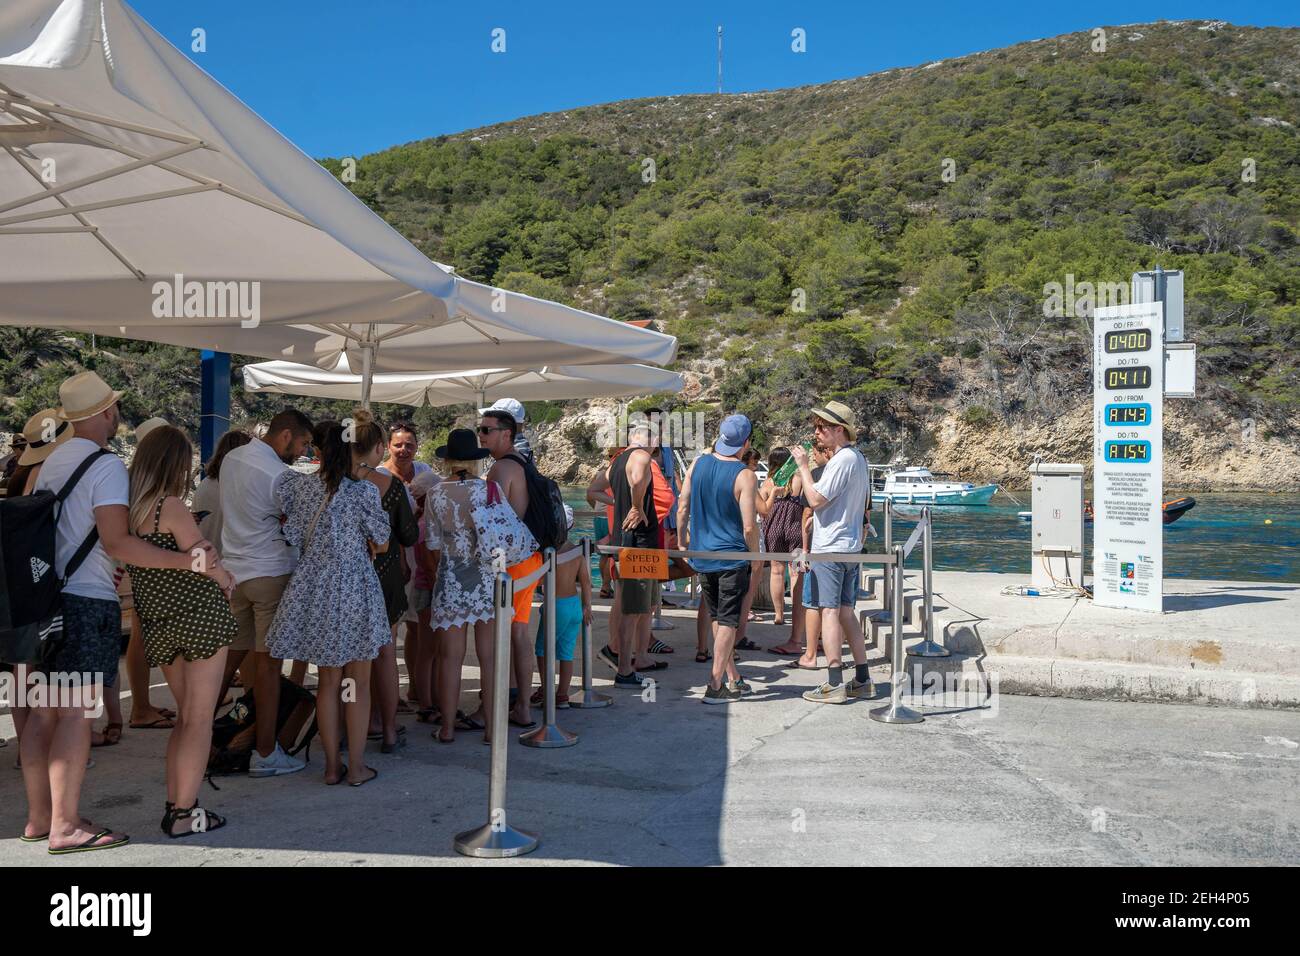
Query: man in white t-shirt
[[837, 501], [258, 555], [55, 742]]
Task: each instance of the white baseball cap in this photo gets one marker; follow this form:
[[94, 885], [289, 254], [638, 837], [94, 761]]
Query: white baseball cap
[[512, 407], [422, 482]]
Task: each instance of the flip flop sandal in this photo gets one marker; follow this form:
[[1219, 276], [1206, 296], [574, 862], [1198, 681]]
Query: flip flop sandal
[[465, 722], [437, 735], [343, 775], [110, 736], [161, 723], [425, 715], [520, 723], [373, 775], [39, 838], [90, 845], [773, 650], [659, 647], [652, 666]]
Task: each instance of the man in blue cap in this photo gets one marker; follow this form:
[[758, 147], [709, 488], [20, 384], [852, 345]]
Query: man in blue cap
[[716, 512]]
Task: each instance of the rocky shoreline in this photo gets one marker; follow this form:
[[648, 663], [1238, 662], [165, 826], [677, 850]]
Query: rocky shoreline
[[1206, 449]]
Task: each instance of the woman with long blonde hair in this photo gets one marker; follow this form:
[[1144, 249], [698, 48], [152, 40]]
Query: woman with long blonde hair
[[463, 584], [185, 619]]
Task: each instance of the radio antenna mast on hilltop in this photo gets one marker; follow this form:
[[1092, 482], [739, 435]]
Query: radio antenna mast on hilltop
[[719, 57]]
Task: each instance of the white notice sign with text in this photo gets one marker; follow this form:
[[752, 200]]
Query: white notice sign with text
[[1128, 466]]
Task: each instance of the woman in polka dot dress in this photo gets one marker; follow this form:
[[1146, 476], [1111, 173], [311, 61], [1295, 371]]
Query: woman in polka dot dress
[[185, 620]]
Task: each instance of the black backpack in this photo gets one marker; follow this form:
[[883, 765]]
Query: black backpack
[[31, 593], [235, 732], [545, 515]]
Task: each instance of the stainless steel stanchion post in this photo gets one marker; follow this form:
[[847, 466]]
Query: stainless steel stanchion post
[[895, 712], [496, 838], [588, 697], [548, 735], [928, 648], [887, 580]]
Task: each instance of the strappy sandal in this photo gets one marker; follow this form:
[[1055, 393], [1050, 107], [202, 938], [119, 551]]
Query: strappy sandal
[[746, 645], [207, 819], [703, 657], [425, 715]]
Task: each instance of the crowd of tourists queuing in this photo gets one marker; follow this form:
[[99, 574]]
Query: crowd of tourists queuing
[[260, 563]]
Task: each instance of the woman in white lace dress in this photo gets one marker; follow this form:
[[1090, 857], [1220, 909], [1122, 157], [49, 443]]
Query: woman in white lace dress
[[462, 589], [332, 613]]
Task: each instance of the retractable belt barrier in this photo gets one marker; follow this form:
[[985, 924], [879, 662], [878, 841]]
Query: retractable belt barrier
[[927, 647], [497, 838], [549, 735], [846, 558]]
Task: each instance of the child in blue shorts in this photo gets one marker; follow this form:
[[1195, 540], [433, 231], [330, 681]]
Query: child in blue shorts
[[571, 609]]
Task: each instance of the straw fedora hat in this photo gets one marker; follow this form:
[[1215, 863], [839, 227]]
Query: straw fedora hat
[[38, 435], [148, 425], [837, 413], [84, 396]]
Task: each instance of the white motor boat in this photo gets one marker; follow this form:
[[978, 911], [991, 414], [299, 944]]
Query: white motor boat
[[920, 486]]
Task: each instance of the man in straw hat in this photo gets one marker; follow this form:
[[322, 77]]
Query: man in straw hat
[[837, 500], [56, 740], [44, 432]]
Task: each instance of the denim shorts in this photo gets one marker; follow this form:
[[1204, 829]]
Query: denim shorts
[[831, 584], [92, 638]]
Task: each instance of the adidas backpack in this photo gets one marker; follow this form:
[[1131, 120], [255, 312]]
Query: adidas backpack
[[30, 590]]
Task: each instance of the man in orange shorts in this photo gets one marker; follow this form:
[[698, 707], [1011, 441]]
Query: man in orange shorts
[[496, 432]]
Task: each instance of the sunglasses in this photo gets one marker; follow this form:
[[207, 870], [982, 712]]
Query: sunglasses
[[489, 429]]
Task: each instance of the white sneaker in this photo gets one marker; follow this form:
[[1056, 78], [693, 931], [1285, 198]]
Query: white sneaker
[[275, 765]]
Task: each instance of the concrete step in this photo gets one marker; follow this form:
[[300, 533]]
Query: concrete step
[[1080, 639]]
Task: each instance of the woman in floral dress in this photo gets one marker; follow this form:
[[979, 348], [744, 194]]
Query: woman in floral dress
[[332, 613], [462, 588]]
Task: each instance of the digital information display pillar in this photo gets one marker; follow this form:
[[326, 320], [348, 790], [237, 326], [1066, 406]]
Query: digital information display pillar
[[1128, 457]]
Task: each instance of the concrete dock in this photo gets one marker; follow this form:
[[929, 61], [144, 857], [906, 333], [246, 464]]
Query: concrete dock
[[659, 779], [1219, 642]]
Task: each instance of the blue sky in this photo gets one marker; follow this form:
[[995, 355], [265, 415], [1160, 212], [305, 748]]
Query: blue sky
[[345, 77]]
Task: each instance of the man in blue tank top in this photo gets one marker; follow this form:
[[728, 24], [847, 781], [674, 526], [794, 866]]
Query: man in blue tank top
[[716, 512]]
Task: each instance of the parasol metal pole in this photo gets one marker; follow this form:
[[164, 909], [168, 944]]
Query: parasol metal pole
[[367, 367]]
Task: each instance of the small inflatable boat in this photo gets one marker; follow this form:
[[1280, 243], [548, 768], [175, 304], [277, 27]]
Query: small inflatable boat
[[1174, 510]]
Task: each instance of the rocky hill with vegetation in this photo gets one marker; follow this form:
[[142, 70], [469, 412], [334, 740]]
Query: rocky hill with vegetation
[[889, 241]]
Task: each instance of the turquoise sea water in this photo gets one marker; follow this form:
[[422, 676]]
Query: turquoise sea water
[[1224, 537]]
